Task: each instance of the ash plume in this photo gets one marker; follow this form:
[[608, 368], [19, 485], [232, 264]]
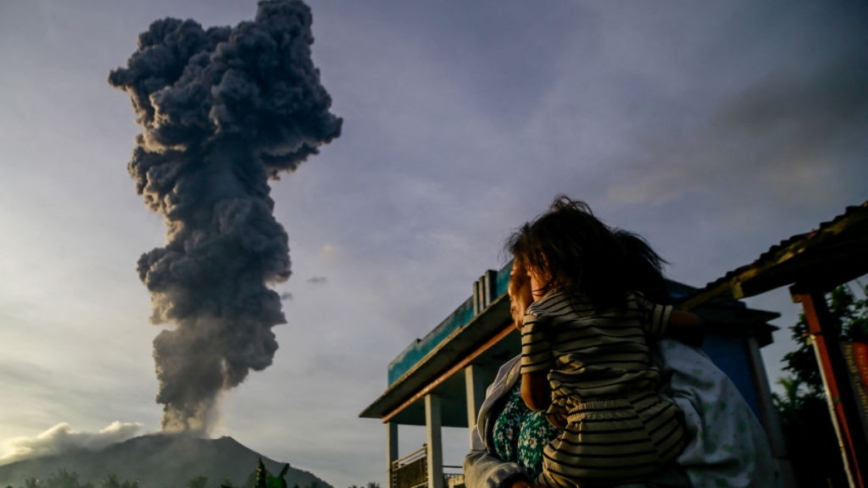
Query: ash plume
[[223, 110]]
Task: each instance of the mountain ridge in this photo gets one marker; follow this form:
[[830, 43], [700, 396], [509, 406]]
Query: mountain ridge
[[157, 461]]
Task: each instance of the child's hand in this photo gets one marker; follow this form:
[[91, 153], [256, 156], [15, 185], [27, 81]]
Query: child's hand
[[686, 327], [557, 420], [526, 484], [520, 296]]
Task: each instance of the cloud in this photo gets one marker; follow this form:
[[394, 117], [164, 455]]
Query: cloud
[[62, 438], [318, 280], [328, 250], [788, 134]]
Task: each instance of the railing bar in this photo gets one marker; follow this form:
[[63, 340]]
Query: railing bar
[[414, 453]]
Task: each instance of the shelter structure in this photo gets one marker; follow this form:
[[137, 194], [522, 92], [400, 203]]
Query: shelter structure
[[812, 264], [440, 380]]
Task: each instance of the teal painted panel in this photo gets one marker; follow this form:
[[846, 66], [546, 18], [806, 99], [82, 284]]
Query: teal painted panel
[[416, 351], [502, 279], [459, 318]]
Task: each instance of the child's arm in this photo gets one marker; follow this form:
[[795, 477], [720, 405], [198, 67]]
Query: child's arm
[[536, 361], [664, 321], [535, 390]]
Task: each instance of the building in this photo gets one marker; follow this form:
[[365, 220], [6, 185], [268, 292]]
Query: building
[[440, 380]]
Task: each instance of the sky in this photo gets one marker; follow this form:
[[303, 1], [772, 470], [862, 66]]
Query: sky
[[715, 130]]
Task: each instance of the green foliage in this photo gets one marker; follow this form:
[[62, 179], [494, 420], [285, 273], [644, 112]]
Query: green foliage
[[370, 484], [260, 478], [851, 313], [198, 482], [803, 411], [112, 481], [60, 479]]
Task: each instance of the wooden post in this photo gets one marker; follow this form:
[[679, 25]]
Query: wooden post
[[822, 327], [391, 451], [435, 442]]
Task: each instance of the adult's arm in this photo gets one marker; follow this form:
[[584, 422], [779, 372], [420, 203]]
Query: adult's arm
[[482, 470], [728, 446]]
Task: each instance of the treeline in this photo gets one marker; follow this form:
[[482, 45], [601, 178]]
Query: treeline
[[260, 478], [69, 479]]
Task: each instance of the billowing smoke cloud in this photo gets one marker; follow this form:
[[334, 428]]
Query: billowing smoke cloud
[[62, 438], [223, 110]]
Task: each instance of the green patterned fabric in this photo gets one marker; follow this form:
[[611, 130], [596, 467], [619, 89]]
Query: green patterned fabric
[[520, 434]]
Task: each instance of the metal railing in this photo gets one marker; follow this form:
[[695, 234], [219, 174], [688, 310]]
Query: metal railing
[[411, 471], [454, 478]]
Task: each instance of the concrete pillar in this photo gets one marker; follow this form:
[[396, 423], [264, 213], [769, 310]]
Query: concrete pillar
[[475, 393], [435, 441], [391, 450]]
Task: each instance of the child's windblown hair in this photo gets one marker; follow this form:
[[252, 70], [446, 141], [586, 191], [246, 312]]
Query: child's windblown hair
[[573, 250], [644, 267]]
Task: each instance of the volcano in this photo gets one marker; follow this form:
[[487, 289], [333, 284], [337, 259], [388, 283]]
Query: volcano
[[158, 461]]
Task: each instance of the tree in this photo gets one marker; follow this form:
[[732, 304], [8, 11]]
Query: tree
[[810, 437], [112, 481], [198, 482], [371, 484], [63, 478]]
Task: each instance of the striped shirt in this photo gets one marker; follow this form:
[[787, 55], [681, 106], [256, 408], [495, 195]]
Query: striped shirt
[[592, 354], [604, 389]]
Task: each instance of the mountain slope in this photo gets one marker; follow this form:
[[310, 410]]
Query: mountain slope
[[157, 461]]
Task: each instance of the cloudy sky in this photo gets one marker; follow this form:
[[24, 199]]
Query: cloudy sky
[[713, 129]]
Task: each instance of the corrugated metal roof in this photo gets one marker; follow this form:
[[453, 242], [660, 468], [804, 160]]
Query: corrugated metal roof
[[785, 250]]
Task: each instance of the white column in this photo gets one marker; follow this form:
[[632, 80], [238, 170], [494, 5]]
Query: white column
[[475, 393], [435, 442], [391, 450], [769, 415]]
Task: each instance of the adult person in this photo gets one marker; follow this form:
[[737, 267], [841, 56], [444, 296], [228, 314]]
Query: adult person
[[726, 447]]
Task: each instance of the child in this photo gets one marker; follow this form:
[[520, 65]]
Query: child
[[585, 353]]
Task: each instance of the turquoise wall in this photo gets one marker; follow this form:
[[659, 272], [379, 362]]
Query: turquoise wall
[[457, 319]]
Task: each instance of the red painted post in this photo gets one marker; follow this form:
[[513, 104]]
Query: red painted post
[[821, 324]]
